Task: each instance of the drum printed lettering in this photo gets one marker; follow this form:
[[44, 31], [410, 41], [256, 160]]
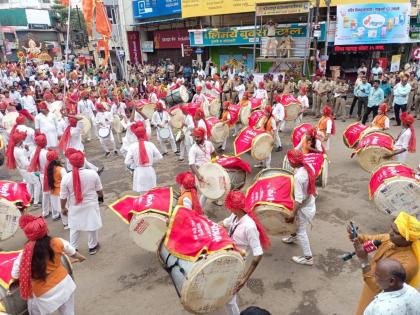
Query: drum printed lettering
[[270, 194], [141, 227], [215, 228], [4, 190], [149, 200]]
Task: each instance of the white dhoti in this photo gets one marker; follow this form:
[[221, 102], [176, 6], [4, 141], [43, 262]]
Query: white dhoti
[[108, 142], [163, 145], [144, 178], [33, 184]]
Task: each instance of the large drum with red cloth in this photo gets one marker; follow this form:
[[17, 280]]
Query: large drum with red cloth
[[292, 107], [299, 132], [219, 180], [204, 267], [214, 105], [219, 130], [318, 162], [372, 149], [351, 135], [257, 103], [10, 300], [393, 188], [256, 119], [274, 201], [244, 114], [262, 145]]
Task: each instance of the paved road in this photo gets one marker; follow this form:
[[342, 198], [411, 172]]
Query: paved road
[[123, 279]]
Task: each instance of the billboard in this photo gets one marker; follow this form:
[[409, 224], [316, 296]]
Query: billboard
[[171, 38], [145, 9], [378, 23]]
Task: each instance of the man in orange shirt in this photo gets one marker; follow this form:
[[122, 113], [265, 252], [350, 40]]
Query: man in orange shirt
[[43, 280], [270, 126], [381, 120], [326, 126]]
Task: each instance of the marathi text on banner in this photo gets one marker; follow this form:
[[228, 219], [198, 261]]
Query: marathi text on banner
[[243, 142]]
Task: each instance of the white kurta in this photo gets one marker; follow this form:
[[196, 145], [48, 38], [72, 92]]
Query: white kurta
[[30, 136], [301, 182], [144, 177], [86, 108], [86, 215], [76, 137], [402, 143], [48, 125], [161, 120], [146, 122]]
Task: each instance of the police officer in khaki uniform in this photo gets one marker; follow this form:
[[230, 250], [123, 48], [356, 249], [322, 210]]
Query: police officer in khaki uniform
[[322, 95], [411, 97], [340, 97], [250, 85], [226, 89]]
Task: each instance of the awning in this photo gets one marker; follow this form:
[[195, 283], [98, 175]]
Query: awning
[[156, 21]]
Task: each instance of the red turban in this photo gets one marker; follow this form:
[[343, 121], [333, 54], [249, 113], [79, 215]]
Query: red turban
[[277, 98], [268, 109], [187, 180], [20, 120], [42, 105], [65, 138], [25, 113], [104, 92], [84, 93], [77, 160], [408, 120], [34, 228], [327, 112], [100, 107], [41, 142], [159, 106], [226, 103], [48, 96], [383, 107], [141, 135], [261, 85], [199, 133], [16, 137], [246, 94], [311, 132], [200, 88], [296, 157], [199, 114], [51, 156], [235, 200], [69, 152]]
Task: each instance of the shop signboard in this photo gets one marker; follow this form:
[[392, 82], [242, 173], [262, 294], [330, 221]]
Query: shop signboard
[[359, 48], [377, 23], [147, 46], [282, 8], [172, 39], [134, 46], [414, 29], [244, 35], [145, 9], [395, 63]]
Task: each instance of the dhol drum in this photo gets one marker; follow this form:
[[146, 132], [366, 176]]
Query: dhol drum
[[262, 145], [164, 133], [10, 300], [177, 96], [256, 119], [292, 107], [215, 107], [148, 109], [394, 188], [244, 114], [273, 216], [9, 219], [86, 126], [321, 169], [206, 284], [104, 132], [352, 134], [55, 108], [372, 149], [147, 229], [219, 132], [117, 125], [177, 118], [216, 181], [257, 103]]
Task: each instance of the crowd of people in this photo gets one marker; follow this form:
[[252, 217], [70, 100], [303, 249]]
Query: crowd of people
[[46, 116]]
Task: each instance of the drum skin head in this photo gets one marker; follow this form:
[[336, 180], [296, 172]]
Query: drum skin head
[[86, 126], [262, 145], [216, 181], [397, 194], [292, 111], [116, 125], [148, 110], [148, 229], [215, 107], [219, 132], [210, 283], [273, 219], [9, 219], [371, 157], [268, 172], [177, 119], [244, 114]]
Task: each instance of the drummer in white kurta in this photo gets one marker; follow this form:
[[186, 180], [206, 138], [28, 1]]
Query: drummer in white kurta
[[80, 194], [199, 121], [261, 93], [104, 120], [46, 123], [160, 120], [72, 138], [152, 96], [139, 116], [118, 109], [406, 140], [248, 235], [29, 142], [86, 108], [188, 141], [37, 165], [304, 210], [140, 157], [200, 153], [278, 114]]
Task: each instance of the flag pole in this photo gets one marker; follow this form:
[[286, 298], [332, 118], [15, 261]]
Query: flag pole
[[66, 60]]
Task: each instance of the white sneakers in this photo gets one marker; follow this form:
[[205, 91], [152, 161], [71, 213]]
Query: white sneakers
[[289, 240], [303, 260]]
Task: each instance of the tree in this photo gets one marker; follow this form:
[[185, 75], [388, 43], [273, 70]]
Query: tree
[[78, 33]]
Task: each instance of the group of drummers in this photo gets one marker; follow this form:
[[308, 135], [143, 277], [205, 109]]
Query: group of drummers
[[196, 128]]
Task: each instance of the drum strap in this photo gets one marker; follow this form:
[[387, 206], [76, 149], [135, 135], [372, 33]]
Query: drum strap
[[233, 227]]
